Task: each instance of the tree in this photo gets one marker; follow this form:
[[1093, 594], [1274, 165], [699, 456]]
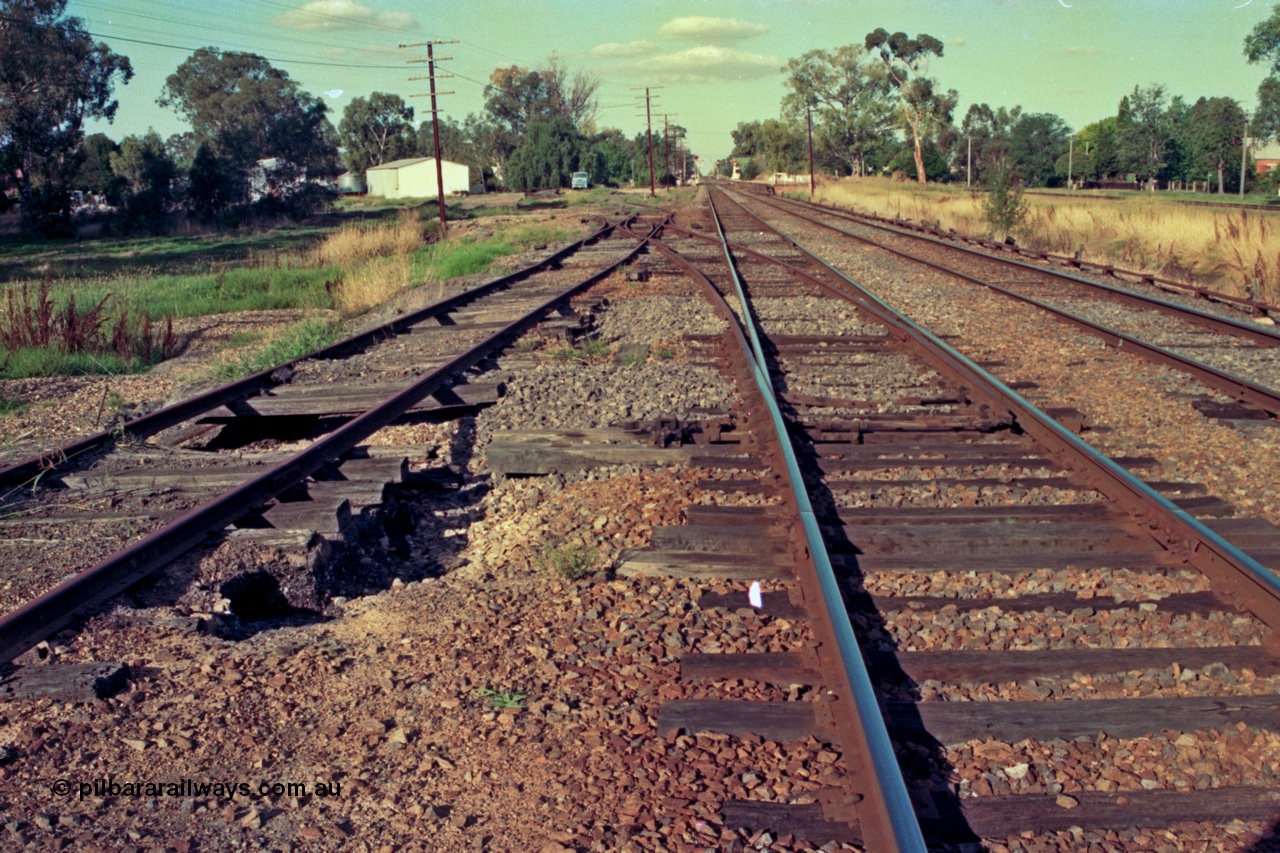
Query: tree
[[376, 130], [516, 97], [212, 187], [1142, 131], [1035, 143], [1004, 208], [53, 76], [1263, 45], [610, 157], [921, 108], [851, 102], [94, 173], [151, 177], [548, 156], [1215, 132], [247, 110], [990, 133], [772, 145], [1099, 141]]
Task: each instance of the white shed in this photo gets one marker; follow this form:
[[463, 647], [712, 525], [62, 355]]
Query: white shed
[[416, 178]]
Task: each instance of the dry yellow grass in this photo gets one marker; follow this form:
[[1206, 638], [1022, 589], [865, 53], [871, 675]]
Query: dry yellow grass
[[374, 260], [353, 244], [1237, 253], [366, 285]]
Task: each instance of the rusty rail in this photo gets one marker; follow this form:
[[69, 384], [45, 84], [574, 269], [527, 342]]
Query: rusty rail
[[55, 461], [55, 609], [1255, 587]]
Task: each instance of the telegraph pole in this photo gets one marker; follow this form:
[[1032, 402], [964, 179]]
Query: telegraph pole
[[648, 118], [1071, 158], [666, 148], [809, 115], [1244, 150], [431, 61]]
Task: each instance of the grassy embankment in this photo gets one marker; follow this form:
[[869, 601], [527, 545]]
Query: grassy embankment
[[1235, 252], [103, 306]]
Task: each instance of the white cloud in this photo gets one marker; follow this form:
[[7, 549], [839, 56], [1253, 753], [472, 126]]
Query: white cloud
[[1081, 51], [704, 64], [1072, 90], [955, 41], [705, 30], [321, 15], [615, 50]]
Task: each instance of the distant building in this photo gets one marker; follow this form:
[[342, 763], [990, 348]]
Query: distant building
[[415, 177], [1266, 157]]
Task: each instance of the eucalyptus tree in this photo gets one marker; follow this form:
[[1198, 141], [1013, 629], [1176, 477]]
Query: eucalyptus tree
[[851, 99], [921, 107]]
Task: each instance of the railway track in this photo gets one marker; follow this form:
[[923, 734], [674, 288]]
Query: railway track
[[1134, 279], [919, 645], [314, 415], [1235, 358], [989, 557]]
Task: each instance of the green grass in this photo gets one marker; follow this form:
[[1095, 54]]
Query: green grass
[[502, 699], [570, 562], [27, 363], [11, 406], [444, 261], [296, 342]]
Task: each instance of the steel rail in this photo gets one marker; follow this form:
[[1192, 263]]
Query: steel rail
[[1255, 587], [1245, 390], [55, 461], [924, 232], [888, 821], [48, 613], [1226, 325]]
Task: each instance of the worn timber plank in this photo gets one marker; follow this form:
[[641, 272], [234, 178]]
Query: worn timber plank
[[975, 514], [68, 682], [343, 400], [722, 538], [1002, 816], [1185, 604], [963, 665], [705, 564], [988, 536], [1021, 561], [780, 721], [772, 603], [954, 723], [804, 821], [781, 668]]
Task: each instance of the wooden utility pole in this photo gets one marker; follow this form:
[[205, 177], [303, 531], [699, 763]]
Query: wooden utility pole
[[1244, 151], [431, 61], [809, 113], [648, 119], [666, 148]]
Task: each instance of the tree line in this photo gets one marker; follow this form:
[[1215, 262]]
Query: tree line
[[256, 136], [875, 109]]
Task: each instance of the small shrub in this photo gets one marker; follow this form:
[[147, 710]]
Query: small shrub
[[11, 406], [664, 353], [570, 562], [502, 698], [1004, 208]]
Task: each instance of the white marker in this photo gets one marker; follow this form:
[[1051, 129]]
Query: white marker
[[753, 595]]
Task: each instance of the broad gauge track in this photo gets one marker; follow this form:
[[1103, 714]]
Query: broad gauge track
[[1058, 648], [317, 412]]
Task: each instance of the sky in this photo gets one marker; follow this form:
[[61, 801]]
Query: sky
[[711, 63]]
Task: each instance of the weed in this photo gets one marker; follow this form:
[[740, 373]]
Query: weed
[[294, 343], [565, 354], [633, 357], [113, 400], [594, 348], [12, 406], [664, 353], [502, 698], [570, 562]]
